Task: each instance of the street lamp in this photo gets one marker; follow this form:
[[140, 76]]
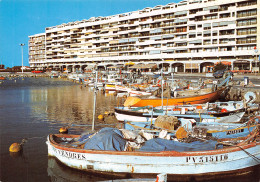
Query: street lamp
[[256, 51], [22, 54], [191, 64]]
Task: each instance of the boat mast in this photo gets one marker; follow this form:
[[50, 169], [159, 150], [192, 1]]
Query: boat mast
[[162, 86], [94, 106]]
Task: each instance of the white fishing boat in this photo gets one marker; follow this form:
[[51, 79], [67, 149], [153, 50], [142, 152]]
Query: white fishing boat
[[110, 154], [147, 114]]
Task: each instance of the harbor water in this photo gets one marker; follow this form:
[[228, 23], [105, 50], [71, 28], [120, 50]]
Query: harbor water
[[32, 108]]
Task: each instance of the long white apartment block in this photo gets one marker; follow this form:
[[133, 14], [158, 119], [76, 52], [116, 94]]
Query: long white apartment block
[[191, 34]]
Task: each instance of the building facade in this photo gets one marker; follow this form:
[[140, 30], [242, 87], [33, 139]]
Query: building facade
[[37, 48], [191, 35]]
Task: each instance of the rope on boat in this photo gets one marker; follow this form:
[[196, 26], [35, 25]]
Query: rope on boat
[[257, 130], [249, 154]]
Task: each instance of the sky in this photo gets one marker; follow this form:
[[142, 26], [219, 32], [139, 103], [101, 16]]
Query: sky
[[22, 18]]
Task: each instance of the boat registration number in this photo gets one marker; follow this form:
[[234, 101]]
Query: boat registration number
[[231, 132], [207, 159]]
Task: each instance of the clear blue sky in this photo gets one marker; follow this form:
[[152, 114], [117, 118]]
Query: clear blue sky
[[22, 18]]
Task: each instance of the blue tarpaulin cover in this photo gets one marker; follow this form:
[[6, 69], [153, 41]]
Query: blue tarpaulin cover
[[106, 139], [158, 144]]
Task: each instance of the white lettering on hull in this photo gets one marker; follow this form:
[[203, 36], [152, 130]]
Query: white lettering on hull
[[207, 159], [72, 155]]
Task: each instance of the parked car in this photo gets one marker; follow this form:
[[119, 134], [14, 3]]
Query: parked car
[[219, 73], [222, 73]]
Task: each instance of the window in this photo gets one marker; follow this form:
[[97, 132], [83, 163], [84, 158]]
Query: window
[[246, 47], [169, 16], [246, 31], [214, 41], [247, 3], [181, 29], [157, 45], [246, 40], [247, 13], [145, 26], [170, 44], [247, 22], [192, 36], [192, 28]]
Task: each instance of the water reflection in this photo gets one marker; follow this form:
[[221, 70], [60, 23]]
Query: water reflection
[[60, 173], [69, 104], [32, 108]]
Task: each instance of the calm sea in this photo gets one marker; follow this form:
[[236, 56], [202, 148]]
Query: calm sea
[[32, 108]]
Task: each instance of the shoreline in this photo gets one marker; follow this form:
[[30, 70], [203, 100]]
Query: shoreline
[[206, 75]]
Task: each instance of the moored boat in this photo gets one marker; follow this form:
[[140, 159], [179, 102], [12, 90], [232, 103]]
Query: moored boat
[[2, 78], [209, 159], [147, 114], [154, 102]]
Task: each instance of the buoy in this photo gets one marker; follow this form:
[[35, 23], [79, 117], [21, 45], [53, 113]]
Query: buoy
[[100, 117], [15, 147], [224, 110], [181, 133], [63, 130], [199, 107]]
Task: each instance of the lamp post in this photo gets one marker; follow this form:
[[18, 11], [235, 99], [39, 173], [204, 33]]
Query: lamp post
[[22, 55], [191, 64], [256, 51]]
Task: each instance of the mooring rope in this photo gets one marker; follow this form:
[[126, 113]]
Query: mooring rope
[[24, 140]]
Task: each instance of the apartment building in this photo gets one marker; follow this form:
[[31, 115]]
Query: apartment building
[[37, 50], [191, 35]]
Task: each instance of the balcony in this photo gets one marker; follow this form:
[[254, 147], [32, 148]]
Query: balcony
[[246, 41]]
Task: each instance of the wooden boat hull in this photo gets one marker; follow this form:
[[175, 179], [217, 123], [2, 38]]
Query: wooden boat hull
[[136, 116], [219, 161], [247, 174], [198, 99]]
